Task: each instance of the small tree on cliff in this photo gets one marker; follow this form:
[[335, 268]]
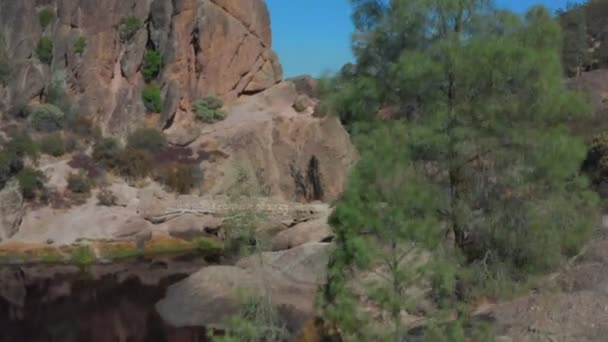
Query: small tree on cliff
[[489, 139]]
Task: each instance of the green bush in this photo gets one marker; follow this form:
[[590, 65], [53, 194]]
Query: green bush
[[6, 70], [152, 65], [30, 182], [20, 145], [180, 178], [209, 109], [44, 50], [129, 27], [47, 118], [21, 110], [106, 198], [147, 139], [46, 17], [152, 99], [52, 145], [107, 152], [56, 95], [82, 256], [79, 183], [134, 164], [80, 45]]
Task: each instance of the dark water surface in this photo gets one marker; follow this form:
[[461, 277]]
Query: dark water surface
[[103, 304]]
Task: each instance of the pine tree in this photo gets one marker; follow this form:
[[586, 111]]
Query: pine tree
[[490, 143]]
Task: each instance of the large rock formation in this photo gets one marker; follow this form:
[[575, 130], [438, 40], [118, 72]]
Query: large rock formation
[[209, 296], [220, 47]]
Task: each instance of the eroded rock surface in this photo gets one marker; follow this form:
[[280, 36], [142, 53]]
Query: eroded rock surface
[[207, 297], [220, 47]]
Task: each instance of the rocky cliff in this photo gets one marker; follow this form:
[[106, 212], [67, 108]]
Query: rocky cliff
[[95, 51]]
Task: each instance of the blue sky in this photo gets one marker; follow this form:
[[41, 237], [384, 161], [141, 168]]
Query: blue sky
[[313, 36]]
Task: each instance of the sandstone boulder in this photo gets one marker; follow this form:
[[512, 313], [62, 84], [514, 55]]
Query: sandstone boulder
[[316, 230], [207, 297], [291, 156]]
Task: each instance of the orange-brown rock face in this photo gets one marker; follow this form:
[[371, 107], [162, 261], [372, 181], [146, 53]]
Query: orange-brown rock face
[[220, 47]]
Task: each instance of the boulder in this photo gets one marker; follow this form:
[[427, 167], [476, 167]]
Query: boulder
[[190, 226], [317, 230], [207, 297], [295, 157]]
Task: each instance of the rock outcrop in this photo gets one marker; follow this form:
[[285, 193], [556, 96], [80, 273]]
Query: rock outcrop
[[220, 47], [295, 156], [209, 296]]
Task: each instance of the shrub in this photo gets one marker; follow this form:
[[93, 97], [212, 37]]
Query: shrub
[[148, 139], [209, 109], [46, 17], [107, 152], [21, 145], [21, 110], [82, 256], [129, 27], [52, 145], [10, 165], [56, 95], [44, 50], [47, 118], [30, 182], [181, 178], [106, 198], [5, 70], [152, 65], [85, 163], [134, 164], [70, 143], [82, 127], [152, 99], [79, 183], [596, 164], [80, 44]]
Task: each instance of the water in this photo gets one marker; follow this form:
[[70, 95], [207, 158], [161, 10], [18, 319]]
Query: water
[[104, 304]]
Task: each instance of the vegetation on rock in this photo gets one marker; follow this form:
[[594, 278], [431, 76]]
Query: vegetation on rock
[[152, 99], [106, 151], [79, 183], [152, 65], [31, 182], [44, 50], [129, 27], [46, 17], [180, 177], [209, 109], [106, 198], [148, 139], [52, 144], [134, 164], [80, 45], [47, 118]]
